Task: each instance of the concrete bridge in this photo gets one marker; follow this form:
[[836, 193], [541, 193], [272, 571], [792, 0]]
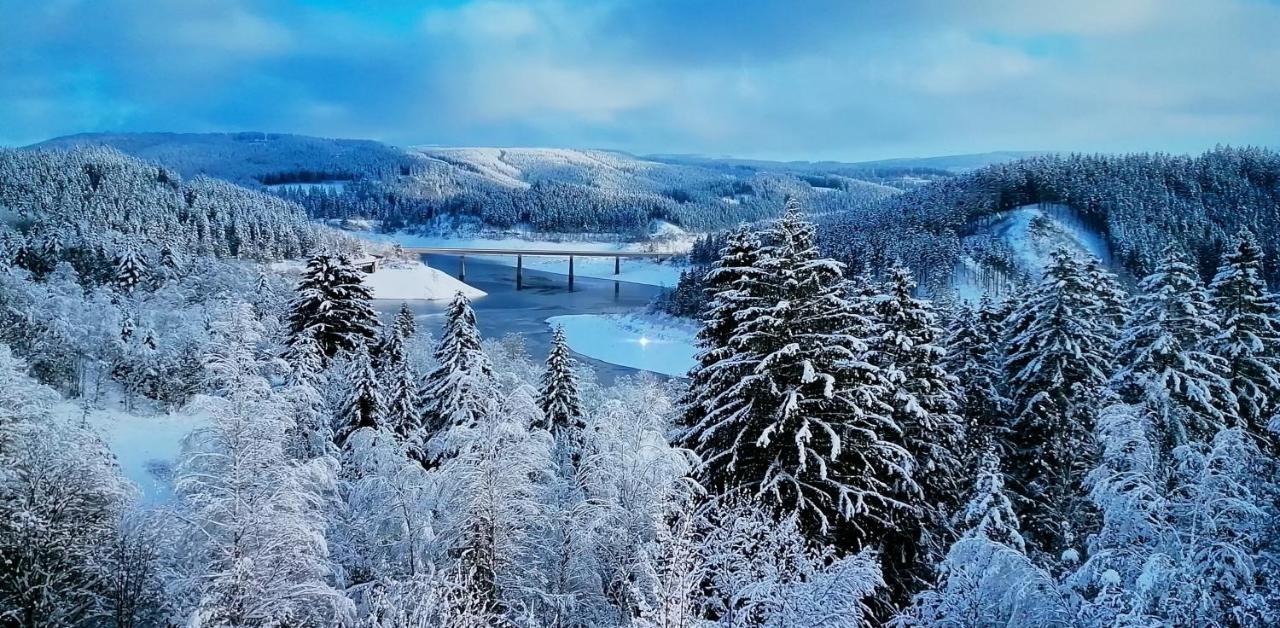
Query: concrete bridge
[[463, 252]]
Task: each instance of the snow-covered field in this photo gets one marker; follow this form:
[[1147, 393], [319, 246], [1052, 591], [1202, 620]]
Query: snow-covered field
[[650, 342], [145, 445], [417, 282], [654, 273]]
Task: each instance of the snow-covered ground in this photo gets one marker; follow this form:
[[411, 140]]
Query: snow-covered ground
[[402, 281], [1031, 233], [655, 273], [650, 342], [145, 445], [414, 281]]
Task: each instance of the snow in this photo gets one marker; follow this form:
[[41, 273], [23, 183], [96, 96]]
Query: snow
[[146, 446], [650, 342], [663, 273], [1031, 233], [414, 282]]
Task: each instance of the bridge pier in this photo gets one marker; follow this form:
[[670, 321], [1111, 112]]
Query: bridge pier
[[462, 268], [570, 273], [519, 272]]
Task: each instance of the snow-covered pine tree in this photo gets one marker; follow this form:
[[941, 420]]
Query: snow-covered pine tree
[[989, 513], [405, 321], [495, 476], [400, 386], [1249, 335], [732, 286], [805, 425], [1162, 362], [1224, 506], [171, 264], [333, 306], [130, 270], [1128, 488], [974, 357], [311, 434], [922, 394], [1058, 364], [365, 404], [1113, 300], [559, 397], [456, 392]]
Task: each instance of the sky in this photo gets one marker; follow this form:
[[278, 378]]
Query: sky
[[803, 79]]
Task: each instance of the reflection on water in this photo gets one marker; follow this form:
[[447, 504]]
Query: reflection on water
[[506, 310]]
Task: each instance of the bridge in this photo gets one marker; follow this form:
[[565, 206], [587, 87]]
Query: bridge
[[463, 252]]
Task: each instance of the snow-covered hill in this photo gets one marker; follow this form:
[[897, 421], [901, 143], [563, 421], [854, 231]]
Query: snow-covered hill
[[1007, 248]]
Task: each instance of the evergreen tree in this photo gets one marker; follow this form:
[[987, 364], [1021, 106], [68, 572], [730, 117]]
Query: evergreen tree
[[1249, 338], [974, 358], [400, 383], [365, 405], [1057, 366], [129, 271], [922, 394], [405, 322], [456, 391], [805, 426], [333, 306], [559, 397], [989, 513], [1162, 362], [732, 285]]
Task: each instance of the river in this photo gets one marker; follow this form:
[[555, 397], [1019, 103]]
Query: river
[[506, 310]]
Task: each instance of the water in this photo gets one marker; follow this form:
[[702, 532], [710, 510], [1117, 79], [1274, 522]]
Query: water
[[506, 310]]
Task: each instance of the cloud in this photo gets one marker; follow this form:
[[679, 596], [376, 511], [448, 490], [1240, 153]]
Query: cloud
[[818, 79]]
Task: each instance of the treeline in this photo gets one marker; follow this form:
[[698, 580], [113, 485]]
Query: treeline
[[573, 198], [90, 205], [1139, 203]]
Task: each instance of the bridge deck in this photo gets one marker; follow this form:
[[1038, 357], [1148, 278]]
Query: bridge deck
[[534, 252]]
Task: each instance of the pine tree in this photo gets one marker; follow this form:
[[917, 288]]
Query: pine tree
[[923, 398], [974, 357], [129, 271], [1162, 363], [1249, 338], [989, 513], [805, 426], [559, 398], [456, 392], [405, 322], [731, 285], [311, 434], [1058, 364], [365, 405], [400, 384], [333, 306]]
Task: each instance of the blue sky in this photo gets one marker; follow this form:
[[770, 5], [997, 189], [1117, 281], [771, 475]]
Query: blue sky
[[809, 79]]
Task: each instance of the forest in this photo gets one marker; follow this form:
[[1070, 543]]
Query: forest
[[846, 452]]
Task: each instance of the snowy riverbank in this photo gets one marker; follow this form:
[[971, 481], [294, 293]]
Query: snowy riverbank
[[650, 342], [417, 282]]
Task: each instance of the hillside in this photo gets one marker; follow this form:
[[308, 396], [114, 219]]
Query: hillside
[[547, 190], [1137, 204], [247, 158]]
